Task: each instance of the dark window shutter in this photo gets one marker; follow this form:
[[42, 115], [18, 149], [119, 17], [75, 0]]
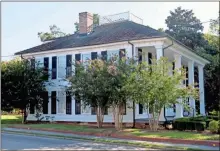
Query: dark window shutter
[[104, 55], [46, 65], [33, 63], [77, 104], [140, 108], [68, 103], [94, 55], [173, 67], [187, 76], [32, 108], [54, 67], [149, 58], [122, 53], [139, 55], [68, 65], [45, 102], [78, 57], [53, 102]]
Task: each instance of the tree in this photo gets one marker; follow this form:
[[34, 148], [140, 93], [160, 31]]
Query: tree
[[155, 87], [119, 71], [95, 22], [90, 85], [54, 33], [22, 86], [185, 27]]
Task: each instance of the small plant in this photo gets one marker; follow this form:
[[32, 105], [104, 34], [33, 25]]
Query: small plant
[[214, 126]]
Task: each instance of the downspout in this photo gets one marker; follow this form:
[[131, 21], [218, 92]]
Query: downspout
[[133, 101], [164, 111]]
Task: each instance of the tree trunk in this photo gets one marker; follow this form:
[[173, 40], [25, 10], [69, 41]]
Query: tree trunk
[[24, 116], [99, 117], [118, 117]]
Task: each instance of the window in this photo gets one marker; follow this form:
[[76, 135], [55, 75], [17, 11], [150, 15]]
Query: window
[[140, 108], [104, 55], [77, 105], [61, 67], [122, 53], [93, 55], [53, 102], [112, 54], [45, 102], [93, 111], [54, 67], [68, 103], [85, 59], [68, 66], [46, 66], [77, 58], [149, 58], [139, 55]]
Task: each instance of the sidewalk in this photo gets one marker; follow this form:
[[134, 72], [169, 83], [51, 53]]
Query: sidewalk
[[87, 137]]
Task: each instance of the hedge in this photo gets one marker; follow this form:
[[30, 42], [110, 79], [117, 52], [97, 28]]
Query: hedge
[[189, 125]]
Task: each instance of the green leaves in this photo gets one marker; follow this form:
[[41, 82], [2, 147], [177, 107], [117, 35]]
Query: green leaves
[[22, 84]]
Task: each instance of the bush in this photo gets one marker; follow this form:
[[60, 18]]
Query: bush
[[214, 126], [191, 123]]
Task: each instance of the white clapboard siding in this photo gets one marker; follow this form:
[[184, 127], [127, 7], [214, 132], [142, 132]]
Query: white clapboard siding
[[61, 102], [112, 53], [61, 67]]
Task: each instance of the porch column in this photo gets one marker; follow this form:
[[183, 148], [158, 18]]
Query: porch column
[[159, 54], [201, 90], [179, 106], [191, 82]]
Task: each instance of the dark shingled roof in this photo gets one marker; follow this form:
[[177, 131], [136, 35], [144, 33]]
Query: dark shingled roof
[[104, 34]]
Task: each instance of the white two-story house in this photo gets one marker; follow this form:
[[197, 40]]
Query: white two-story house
[[115, 33]]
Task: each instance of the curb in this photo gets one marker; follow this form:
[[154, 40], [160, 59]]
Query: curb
[[114, 135]]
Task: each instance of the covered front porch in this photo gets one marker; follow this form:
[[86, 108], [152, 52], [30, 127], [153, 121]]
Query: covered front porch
[[182, 57]]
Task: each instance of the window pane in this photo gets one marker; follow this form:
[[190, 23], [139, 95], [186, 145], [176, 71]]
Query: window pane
[[53, 102]]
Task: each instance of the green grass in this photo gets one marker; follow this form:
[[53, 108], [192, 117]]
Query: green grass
[[15, 120], [69, 127], [171, 134], [11, 119]]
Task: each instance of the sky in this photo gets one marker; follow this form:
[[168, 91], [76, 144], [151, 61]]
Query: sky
[[21, 21]]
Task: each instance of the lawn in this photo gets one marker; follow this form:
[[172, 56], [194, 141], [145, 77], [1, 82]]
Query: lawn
[[11, 119], [15, 120], [171, 134]]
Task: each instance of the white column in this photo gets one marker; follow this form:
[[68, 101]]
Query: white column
[[191, 82], [179, 106], [159, 51], [159, 54], [201, 90]]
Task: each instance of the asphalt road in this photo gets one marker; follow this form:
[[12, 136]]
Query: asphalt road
[[24, 142]]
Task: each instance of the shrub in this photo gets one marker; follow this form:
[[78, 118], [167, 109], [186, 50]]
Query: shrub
[[214, 126], [187, 123]]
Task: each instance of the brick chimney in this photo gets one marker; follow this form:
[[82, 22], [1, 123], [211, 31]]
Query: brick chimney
[[85, 22]]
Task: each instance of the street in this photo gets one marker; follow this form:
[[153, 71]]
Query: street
[[24, 142]]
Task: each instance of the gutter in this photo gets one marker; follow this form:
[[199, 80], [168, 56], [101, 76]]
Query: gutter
[[133, 101], [164, 111]]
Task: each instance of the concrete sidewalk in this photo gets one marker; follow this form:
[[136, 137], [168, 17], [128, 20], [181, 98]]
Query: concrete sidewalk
[[87, 137]]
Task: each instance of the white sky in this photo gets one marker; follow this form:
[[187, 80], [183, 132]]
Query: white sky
[[22, 21]]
